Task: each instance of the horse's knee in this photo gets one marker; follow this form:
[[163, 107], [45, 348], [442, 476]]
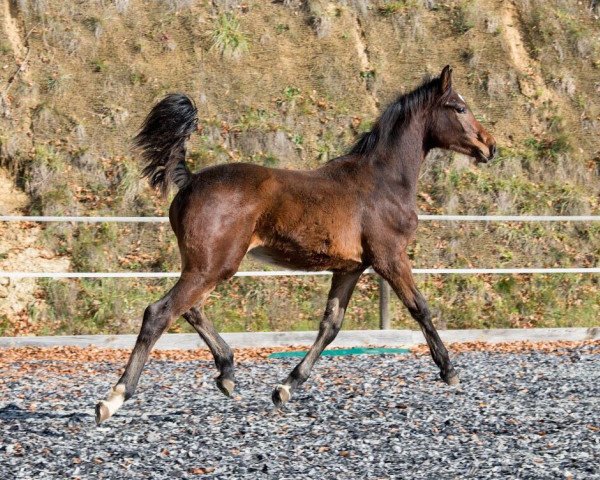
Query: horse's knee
[[330, 327], [157, 318], [333, 331], [331, 323]]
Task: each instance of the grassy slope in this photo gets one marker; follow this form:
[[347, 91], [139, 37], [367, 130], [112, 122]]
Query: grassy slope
[[291, 85]]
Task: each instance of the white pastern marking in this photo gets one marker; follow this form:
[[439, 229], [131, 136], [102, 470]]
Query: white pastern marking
[[115, 399]]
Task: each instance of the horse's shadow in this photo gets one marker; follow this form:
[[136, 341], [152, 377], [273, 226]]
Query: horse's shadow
[[30, 420], [14, 412]]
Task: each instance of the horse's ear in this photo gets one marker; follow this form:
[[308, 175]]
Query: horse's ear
[[446, 79]]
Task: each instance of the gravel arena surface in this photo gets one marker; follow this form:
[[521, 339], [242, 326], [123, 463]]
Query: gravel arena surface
[[519, 413]]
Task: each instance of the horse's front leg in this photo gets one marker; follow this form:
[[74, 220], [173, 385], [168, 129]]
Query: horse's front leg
[[399, 275], [342, 286]]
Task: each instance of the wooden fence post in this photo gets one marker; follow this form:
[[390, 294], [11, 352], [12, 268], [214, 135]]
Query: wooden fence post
[[384, 305]]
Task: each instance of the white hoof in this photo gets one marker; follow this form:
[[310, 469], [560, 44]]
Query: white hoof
[[107, 408], [453, 380], [226, 386], [281, 395]]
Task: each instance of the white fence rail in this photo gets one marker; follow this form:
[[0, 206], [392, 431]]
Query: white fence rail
[[383, 287], [288, 273], [279, 273], [451, 218]]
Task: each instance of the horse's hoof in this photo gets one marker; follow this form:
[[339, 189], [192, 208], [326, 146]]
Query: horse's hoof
[[226, 386], [281, 395], [102, 412], [106, 408]]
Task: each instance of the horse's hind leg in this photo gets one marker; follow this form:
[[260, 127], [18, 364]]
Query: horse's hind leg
[[221, 352], [157, 318], [399, 276], [342, 286]]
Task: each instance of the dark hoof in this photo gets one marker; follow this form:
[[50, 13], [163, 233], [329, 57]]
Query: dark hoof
[[451, 378], [281, 395], [226, 386]]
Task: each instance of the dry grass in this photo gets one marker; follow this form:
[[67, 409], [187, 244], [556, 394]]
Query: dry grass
[[291, 84]]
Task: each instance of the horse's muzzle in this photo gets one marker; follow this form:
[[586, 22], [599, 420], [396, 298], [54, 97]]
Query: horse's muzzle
[[481, 157]]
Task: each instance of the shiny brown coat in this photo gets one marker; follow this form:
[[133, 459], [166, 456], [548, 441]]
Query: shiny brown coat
[[355, 212]]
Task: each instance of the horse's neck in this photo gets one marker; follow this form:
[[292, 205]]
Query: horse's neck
[[400, 163]]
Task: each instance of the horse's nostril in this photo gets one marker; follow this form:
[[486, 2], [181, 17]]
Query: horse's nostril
[[493, 151]]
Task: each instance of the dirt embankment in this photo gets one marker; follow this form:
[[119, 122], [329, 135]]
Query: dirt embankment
[[20, 251], [291, 85], [21, 245]]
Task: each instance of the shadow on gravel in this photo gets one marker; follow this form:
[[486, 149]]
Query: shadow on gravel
[[14, 412]]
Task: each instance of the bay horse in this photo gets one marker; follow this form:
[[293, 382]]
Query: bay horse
[[354, 212]]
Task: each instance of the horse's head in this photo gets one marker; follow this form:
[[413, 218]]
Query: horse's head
[[453, 126]]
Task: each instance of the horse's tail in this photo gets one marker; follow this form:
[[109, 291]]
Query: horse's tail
[[162, 141]]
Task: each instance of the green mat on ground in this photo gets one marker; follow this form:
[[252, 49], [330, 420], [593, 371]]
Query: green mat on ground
[[344, 351]]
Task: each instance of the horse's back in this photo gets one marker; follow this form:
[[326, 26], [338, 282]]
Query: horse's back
[[243, 185], [297, 219]]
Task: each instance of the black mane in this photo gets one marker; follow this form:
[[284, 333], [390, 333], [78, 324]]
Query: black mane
[[396, 114]]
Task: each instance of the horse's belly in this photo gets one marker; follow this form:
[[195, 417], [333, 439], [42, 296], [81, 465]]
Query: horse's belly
[[304, 259]]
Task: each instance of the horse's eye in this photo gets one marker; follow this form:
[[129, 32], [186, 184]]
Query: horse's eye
[[461, 109]]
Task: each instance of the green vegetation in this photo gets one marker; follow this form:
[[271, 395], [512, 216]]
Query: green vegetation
[[549, 147], [5, 326], [394, 7], [228, 38], [291, 93], [99, 65], [462, 18], [367, 74], [281, 28], [254, 119], [96, 306], [513, 301]]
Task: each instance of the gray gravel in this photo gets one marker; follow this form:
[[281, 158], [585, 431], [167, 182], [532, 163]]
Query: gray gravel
[[528, 415]]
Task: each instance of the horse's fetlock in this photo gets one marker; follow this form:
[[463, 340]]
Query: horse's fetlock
[[300, 374], [129, 391], [229, 358], [450, 376], [224, 363]]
